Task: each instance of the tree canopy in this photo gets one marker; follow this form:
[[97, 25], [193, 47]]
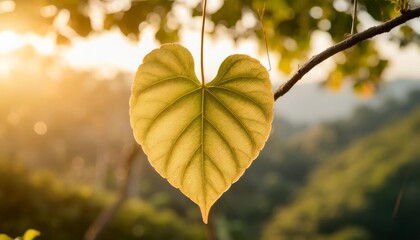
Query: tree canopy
[[289, 26]]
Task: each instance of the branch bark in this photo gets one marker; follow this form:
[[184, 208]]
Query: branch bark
[[97, 227], [343, 45]]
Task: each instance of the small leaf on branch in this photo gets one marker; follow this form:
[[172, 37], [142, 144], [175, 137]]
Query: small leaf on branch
[[200, 137]]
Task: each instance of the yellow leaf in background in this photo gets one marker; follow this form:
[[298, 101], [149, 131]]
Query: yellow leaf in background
[[365, 89], [30, 234], [201, 138], [5, 237], [335, 80]]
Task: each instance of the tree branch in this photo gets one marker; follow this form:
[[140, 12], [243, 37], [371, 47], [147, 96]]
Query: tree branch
[[98, 226], [343, 45]]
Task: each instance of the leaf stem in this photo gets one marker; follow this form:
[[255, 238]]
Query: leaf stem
[[202, 41]]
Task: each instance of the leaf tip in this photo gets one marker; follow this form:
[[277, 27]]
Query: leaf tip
[[205, 214]]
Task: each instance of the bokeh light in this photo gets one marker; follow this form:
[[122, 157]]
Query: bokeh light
[[7, 6], [40, 128]]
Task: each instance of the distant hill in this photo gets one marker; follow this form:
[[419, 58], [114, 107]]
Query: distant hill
[[312, 103], [368, 191]]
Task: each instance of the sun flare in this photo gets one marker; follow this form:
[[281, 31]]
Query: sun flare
[[10, 41]]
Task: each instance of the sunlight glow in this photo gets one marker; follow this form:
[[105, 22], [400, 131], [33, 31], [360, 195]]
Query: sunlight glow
[[13, 119], [43, 45], [7, 6], [110, 51], [48, 11], [10, 41]]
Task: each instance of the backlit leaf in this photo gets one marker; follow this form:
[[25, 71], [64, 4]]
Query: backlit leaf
[[201, 138], [30, 234], [5, 237]]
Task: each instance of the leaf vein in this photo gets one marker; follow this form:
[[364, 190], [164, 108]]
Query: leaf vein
[[156, 117], [243, 96], [237, 78], [238, 120], [176, 140], [165, 80], [235, 157], [228, 68], [188, 164], [216, 167]]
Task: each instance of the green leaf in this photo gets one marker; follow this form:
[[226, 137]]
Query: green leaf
[[30, 234], [5, 237], [200, 137]]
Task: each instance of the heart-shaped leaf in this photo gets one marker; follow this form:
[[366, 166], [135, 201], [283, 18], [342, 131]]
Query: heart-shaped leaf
[[200, 137]]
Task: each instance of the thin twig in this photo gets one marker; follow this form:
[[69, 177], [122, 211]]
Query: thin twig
[[343, 45], [354, 21], [261, 16], [400, 196], [98, 226]]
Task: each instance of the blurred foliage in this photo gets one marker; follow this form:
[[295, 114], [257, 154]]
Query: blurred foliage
[[365, 120], [41, 200], [359, 188], [30, 234], [291, 155], [289, 25], [83, 142], [62, 101], [366, 71], [401, 5], [87, 128]]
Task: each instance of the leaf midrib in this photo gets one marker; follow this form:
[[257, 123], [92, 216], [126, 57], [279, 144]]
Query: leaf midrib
[[203, 173]]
